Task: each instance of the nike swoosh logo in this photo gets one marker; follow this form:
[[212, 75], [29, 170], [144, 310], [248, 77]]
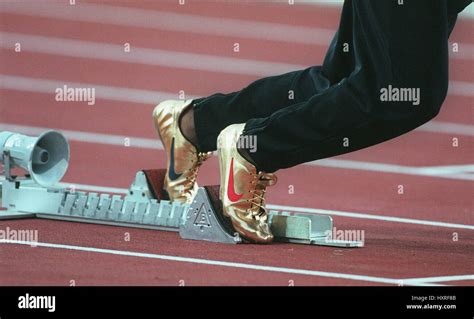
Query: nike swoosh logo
[[171, 172], [233, 196]]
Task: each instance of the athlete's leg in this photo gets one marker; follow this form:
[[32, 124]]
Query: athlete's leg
[[404, 46], [260, 99], [269, 95], [350, 49], [186, 131], [398, 46]]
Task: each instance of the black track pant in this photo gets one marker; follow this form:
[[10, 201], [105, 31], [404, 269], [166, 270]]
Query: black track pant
[[339, 107]]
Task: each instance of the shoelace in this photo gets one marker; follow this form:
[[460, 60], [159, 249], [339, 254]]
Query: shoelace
[[262, 181], [200, 158]]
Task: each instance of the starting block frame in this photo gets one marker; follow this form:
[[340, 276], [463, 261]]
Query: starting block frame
[[145, 206]]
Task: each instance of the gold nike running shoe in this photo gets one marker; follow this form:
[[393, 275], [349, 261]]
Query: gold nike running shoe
[[242, 188], [183, 158]]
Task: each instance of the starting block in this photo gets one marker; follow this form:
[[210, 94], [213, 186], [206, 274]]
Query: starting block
[[145, 206]]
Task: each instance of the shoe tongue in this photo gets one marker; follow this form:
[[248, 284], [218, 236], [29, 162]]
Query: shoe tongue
[[264, 180]]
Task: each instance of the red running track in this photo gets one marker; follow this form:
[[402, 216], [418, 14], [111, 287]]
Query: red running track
[[102, 255]]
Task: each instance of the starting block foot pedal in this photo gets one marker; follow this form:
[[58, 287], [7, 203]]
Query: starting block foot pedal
[[307, 229], [149, 183], [205, 221]]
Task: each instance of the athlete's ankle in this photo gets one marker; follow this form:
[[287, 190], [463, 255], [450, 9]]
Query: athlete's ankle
[[244, 152], [186, 125]]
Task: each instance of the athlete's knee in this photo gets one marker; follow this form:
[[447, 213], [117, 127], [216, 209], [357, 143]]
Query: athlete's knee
[[421, 103], [433, 101]]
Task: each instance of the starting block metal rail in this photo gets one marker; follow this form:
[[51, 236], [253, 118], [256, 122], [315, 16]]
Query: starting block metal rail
[[145, 207]]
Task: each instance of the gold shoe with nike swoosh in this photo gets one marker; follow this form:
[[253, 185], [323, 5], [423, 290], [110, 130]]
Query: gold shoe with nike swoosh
[[242, 188], [183, 158]]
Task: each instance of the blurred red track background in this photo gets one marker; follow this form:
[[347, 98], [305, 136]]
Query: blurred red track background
[[435, 208]]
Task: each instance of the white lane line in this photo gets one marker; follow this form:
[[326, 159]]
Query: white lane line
[[294, 271], [465, 51], [121, 94], [435, 171], [163, 20], [463, 172], [89, 137], [449, 169], [157, 57], [459, 88], [440, 279], [448, 128], [20, 83], [308, 210], [166, 58], [468, 12], [370, 216]]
